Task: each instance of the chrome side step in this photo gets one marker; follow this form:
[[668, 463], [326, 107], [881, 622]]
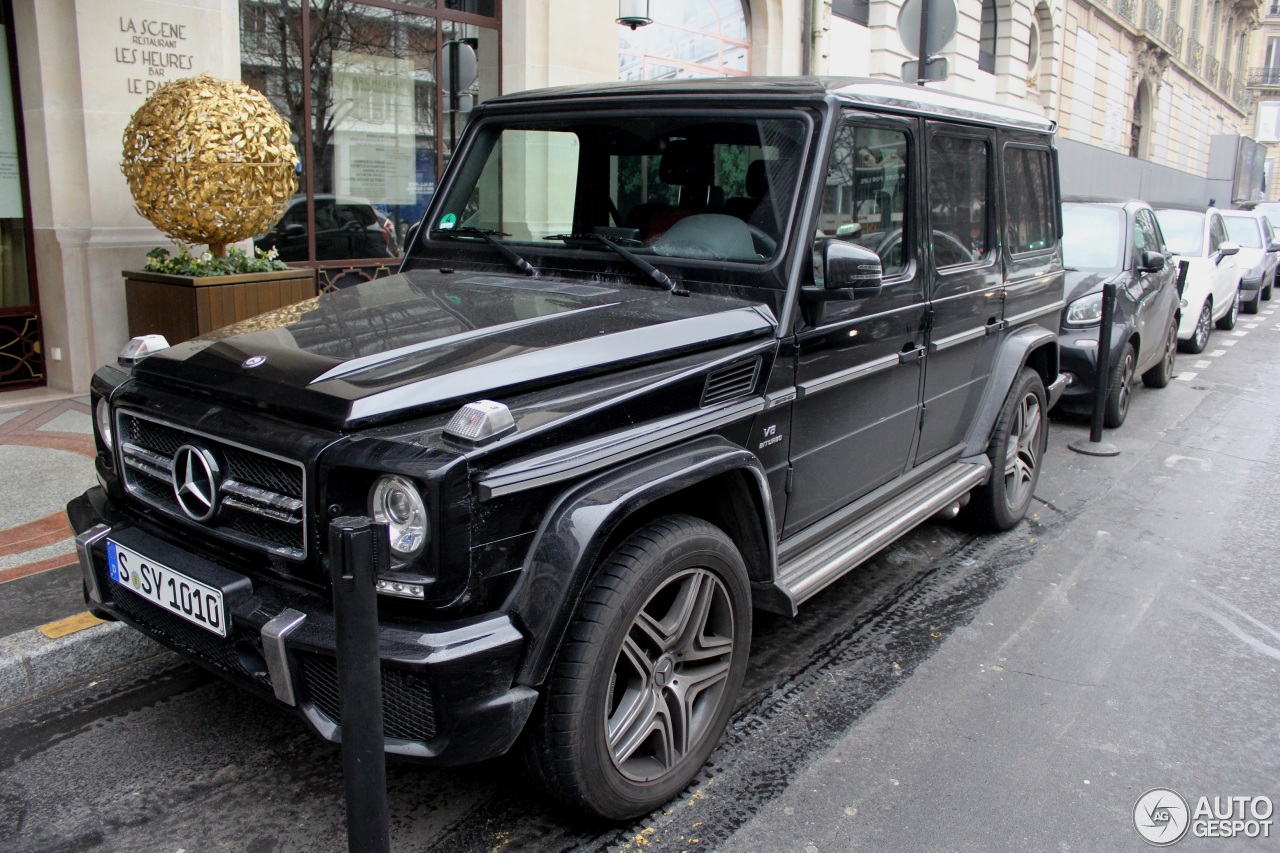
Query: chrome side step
[[813, 569]]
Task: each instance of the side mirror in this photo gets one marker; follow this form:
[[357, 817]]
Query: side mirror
[[1226, 248], [295, 229], [849, 271], [410, 236], [1152, 262]]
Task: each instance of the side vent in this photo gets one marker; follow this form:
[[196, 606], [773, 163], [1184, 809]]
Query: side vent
[[729, 383]]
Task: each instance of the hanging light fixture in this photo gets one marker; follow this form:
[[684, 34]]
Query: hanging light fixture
[[634, 13]]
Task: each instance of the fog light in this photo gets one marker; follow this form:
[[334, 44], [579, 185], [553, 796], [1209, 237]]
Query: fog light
[[1085, 342], [400, 589]]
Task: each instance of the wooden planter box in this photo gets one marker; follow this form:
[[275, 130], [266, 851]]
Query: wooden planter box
[[181, 307]]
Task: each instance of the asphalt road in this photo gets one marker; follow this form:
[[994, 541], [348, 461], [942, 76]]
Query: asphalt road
[[959, 692]]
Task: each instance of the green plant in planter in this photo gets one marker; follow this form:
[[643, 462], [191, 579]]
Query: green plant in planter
[[234, 262]]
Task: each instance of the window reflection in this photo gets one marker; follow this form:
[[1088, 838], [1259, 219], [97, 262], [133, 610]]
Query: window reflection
[[382, 116]]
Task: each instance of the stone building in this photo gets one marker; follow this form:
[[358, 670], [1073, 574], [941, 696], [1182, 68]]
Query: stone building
[[377, 92]]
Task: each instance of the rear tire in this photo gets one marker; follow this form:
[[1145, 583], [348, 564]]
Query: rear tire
[[1016, 449], [648, 674], [1160, 375], [1120, 389]]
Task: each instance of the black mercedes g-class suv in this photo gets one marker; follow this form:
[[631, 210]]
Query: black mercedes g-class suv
[[658, 355]]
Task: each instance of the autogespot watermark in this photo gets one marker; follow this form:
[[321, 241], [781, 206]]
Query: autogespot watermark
[[1163, 817]]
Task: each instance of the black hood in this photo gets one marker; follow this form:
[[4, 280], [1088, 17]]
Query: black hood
[[419, 340]]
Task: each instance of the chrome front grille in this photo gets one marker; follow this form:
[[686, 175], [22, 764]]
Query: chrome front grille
[[261, 496]]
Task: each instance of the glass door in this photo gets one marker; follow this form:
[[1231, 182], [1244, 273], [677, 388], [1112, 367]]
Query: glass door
[[21, 359]]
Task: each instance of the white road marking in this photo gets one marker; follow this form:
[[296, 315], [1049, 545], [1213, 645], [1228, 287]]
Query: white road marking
[[1251, 325], [1217, 353], [1230, 343], [1239, 334], [1187, 377], [1202, 363]]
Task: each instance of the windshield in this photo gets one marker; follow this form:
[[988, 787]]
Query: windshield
[[1183, 230], [1244, 230], [1092, 237], [716, 188]]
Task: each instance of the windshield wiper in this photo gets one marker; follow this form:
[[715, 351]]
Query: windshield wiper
[[490, 236], [636, 261]]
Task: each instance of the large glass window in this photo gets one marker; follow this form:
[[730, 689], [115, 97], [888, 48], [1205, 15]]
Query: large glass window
[[1183, 231], [377, 98], [688, 38]]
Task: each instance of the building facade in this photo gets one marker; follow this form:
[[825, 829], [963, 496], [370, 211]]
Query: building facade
[[377, 91]]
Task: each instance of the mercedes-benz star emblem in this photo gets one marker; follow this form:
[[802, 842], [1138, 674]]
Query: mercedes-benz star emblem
[[195, 482], [253, 361]]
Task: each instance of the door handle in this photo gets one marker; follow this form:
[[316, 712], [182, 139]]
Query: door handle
[[908, 356], [994, 325]]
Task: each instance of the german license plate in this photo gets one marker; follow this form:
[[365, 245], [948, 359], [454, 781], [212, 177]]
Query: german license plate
[[171, 590]]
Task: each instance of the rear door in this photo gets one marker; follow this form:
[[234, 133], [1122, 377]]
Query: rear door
[[966, 298]]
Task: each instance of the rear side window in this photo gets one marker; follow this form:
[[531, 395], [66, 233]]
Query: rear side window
[[1029, 200], [958, 190]]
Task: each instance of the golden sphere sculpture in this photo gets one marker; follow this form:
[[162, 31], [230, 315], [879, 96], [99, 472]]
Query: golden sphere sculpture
[[209, 161]]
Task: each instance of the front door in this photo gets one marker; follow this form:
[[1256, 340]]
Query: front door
[[859, 364]]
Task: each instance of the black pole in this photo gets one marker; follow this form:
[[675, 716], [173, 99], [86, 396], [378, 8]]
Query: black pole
[[357, 550], [1103, 384], [1095, 446], [924, 43]]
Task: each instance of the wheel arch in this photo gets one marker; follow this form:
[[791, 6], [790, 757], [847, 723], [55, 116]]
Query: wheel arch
[[709, 478], [1030, 346]]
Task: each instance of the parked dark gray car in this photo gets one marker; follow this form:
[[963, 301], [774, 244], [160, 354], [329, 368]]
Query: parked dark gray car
[[1116, 242]]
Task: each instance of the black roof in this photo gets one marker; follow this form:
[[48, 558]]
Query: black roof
[[876, 94]]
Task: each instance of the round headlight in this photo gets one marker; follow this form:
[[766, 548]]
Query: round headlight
[[102, 416], [394, 500]]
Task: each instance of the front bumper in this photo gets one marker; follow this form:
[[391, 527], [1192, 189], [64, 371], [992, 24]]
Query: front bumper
[[1250, 288], [448, 690], [1078, 356]]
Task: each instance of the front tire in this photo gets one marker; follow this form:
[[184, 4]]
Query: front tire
[[1227, 321], [1200, 338], [1120, 390], [1162, 374], [1016, 449], [1266, 291], [648, 674], [1252, 306]]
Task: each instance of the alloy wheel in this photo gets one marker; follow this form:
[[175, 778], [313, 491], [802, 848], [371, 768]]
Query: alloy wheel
[[669, 679], [1202, 328], [1125, 391], [1022, 452]]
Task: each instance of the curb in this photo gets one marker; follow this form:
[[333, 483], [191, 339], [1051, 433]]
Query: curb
[[32, 665]]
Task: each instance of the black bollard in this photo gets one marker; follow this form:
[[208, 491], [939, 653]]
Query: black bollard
[[357, 548], [1095, 446]]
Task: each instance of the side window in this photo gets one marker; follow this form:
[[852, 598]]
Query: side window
[[866, 194], [959, 181], [1145, 237], [1217, 234], [1029, 199]]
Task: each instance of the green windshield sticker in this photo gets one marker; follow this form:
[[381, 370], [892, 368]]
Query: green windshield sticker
[[448, 221]]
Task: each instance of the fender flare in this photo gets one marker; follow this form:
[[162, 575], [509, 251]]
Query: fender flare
[[1015, 350], [564, 552]]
